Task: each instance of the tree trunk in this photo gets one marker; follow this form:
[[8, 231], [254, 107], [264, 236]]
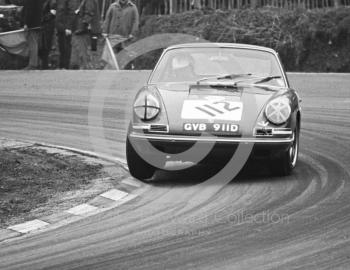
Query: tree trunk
[[196, 4], [172, 6], [337, 3]]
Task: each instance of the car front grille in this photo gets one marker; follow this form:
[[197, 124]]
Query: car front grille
[[159, 128]]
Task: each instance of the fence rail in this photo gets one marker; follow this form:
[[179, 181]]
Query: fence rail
[[177, 6]]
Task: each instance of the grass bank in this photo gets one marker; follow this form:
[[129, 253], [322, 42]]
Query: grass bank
[[30, 177]]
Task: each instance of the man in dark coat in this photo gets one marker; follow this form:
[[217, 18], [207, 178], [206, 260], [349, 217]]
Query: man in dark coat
[[48, 29], [65, 17], [87, 22], [32, 17]]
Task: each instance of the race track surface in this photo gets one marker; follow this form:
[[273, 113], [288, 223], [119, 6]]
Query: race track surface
[[255, 222]]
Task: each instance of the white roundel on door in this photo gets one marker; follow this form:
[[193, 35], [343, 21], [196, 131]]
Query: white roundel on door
[[212, 110]]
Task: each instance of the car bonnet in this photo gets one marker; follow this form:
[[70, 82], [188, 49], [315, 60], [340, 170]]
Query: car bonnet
[[210, 105]]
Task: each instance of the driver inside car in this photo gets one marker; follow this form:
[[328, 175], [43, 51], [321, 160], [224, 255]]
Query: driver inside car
[[183, 68]]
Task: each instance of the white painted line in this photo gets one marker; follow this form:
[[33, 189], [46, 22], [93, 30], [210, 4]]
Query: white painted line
[[114, 194], [125, 199], [82, 209], [131, 182], [129, 198], [29, 226]]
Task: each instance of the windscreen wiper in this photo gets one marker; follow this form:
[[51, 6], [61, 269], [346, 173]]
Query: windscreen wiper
[[221, 86], [268, 78], [223, 77]]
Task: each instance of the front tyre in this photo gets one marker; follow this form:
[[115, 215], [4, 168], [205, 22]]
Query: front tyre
[[138, 167], [284, 164]]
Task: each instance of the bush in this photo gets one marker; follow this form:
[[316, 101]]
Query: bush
[[316, 40]]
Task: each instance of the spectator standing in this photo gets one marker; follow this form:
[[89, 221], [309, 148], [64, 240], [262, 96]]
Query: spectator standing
[[121, 23], [48, 29], [32, 18], [86, 25], [122, 19], [65, 16]]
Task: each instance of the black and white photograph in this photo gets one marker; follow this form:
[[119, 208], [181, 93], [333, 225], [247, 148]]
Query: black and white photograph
[[174, 134]]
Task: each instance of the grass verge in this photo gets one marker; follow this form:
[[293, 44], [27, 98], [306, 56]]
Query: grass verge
[[30, 177]]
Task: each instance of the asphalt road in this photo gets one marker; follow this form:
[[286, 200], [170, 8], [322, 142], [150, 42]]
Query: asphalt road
[[255, 222]]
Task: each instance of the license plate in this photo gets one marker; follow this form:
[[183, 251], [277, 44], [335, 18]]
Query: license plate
[[211, 127]]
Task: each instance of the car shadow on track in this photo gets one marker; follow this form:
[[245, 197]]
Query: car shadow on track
[[254, 171]]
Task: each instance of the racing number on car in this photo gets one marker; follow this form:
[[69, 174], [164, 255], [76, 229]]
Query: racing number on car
[[227, 106], [217, 110], [211, 110]]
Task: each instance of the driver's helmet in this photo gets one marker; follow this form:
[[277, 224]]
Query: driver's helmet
[[182, 61]]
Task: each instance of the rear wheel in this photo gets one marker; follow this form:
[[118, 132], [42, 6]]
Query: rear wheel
[[284, 164], [138, 167]]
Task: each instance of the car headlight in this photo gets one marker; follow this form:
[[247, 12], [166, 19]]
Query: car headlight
[[278, 111], [146, 106]]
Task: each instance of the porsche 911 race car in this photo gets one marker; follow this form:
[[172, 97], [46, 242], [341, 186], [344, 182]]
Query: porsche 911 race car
[[214, 96]]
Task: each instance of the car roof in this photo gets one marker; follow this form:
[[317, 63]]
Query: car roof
[[221, 45]]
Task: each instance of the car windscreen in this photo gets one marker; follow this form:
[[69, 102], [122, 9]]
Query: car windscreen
[[193, 64]]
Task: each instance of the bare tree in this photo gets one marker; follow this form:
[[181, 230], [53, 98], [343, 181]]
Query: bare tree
[[172, 6], [337, 3], [196, 4]]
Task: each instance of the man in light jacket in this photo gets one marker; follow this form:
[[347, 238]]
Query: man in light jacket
[[122, 18]]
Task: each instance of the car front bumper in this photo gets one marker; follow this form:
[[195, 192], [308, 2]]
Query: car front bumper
[[173, 144]]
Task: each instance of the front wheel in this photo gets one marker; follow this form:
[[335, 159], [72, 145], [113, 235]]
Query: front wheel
[[284, 164], [138, 167]]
